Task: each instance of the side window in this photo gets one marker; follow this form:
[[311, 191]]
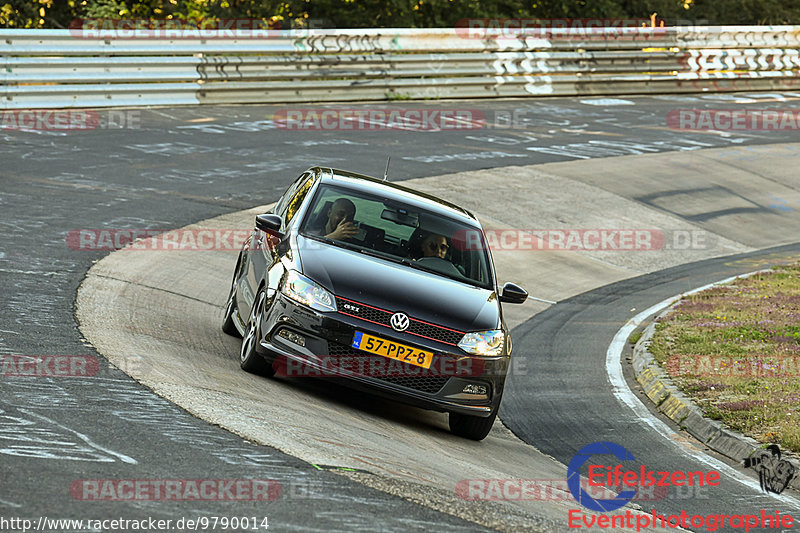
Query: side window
[[283, 203], [297, 199], [280, 207]]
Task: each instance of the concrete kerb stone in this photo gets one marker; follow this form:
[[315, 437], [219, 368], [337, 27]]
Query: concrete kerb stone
[[669, 400]]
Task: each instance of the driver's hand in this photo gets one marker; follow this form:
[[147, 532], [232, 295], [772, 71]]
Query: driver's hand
[[344, 230]]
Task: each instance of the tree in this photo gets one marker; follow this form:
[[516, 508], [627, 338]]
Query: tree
[[393, 13]]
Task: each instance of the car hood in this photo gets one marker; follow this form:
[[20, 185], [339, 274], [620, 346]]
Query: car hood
[[398, 288]]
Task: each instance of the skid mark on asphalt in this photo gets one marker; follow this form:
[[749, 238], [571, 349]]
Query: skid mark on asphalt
[[10, 504], [24, 433]]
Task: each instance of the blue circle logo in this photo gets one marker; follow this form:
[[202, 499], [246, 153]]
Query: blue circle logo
[[574, 476]]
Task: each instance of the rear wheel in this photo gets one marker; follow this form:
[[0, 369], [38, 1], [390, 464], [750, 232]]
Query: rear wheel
[[249, 359], [471, 427]]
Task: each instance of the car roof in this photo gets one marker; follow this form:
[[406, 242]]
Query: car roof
[[392, 190]]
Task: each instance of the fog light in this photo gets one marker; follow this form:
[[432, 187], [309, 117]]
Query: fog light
[[292, 337], [474, 389]]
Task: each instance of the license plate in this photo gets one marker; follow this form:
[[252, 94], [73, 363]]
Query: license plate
[[392, 350]]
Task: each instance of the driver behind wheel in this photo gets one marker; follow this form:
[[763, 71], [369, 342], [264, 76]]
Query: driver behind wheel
[[432, 248], [427, 244]]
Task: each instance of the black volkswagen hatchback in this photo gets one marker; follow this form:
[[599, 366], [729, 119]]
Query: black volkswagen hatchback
[[389, 289]]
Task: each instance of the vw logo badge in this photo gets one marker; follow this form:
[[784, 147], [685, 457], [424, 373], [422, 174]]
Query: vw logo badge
[[399, 321]]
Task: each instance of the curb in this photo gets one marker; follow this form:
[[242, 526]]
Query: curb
[[662, 391]]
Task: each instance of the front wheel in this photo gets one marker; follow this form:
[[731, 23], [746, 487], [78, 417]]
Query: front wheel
[[471, 427], [228, 324], [249, 359]]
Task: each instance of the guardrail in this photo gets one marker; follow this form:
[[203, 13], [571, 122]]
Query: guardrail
[[72, 68]]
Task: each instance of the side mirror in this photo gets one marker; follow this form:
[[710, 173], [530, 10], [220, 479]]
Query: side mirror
[[269, 223], [513, 294]]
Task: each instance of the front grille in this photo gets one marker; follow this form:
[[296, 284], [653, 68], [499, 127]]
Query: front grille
[[431, 385], [402, 374], [435, 332], [382, 317]]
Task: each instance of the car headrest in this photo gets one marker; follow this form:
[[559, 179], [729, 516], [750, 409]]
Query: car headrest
[[321, 218]]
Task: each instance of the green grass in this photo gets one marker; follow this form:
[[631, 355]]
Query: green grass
[[735, 350]]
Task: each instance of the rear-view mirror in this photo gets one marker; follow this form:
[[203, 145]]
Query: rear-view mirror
[[401, 216]]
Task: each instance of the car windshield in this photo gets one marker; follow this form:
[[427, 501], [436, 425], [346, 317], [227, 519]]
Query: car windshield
[[399, 232]]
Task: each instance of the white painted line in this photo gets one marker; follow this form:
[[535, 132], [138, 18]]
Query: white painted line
[[764, 97], [626, 396], [606, 101], [728, 98], [399, 125], [157, 112], [84, 438], [95, 378]]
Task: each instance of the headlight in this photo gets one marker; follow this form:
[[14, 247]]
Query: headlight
[[483, 342], [301, 289]]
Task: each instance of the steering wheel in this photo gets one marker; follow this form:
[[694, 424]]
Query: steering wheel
[[441, 265]]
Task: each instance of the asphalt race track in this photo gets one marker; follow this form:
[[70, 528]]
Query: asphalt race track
[[166, 168]]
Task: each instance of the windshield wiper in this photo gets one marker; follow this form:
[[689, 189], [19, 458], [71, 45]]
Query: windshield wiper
[[414, 264], [327, 240], [385, 255]]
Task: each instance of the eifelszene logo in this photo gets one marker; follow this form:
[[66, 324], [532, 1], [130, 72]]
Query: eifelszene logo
[[639, 477], [635, 478]]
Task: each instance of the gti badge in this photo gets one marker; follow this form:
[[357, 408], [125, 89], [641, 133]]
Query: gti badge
[[352, 308], [399, 321]]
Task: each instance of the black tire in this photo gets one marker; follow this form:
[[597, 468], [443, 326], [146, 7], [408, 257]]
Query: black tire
[[249, 359], [471, 427], [228, 324]]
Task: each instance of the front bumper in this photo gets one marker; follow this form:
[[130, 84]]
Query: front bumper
[[306, 343]]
